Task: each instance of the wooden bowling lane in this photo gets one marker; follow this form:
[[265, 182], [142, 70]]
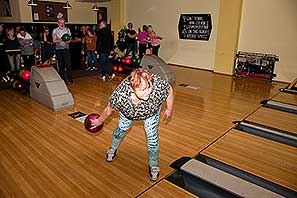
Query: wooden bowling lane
[[286, 98], [165, 189], [275, 118], [264, 158]]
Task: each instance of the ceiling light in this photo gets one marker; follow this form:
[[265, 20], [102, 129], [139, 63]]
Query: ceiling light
[[67, 5], [31, 3], [95, 8]]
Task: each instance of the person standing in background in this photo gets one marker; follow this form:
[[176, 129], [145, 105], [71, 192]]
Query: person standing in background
[[12, 43], [142, 41], [154, 41], [2, 35], [27, 49], [62, 49], [47, 42], [81, 35], [131, 42], [17, 29], [3, 57], [104, 48], [90, 41]]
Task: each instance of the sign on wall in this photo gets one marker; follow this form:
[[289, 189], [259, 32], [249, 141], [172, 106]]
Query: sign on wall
[[5, 10], [47, 11], [194, 26]]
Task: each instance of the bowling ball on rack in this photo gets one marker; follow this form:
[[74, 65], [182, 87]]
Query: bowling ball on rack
[[88, 123], [115, 68], [26, 75], [128, 60], [138, 60], [66, 37], [123, 59], [14, 83], [21, 73], [20, 86], [120, 69], [134, 60]]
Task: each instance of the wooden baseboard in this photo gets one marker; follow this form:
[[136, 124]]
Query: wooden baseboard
[[189, 67]]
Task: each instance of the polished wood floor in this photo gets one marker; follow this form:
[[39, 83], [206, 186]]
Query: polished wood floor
[[49, 154], [286, 98], [273, 161], [272, 117]]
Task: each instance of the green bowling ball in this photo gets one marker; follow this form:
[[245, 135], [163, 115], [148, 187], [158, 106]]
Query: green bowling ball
[[66, 37], [138, 60], [14, 83], [21, 73], [134, 59]]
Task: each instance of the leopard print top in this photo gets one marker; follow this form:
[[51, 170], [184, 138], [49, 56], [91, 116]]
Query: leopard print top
[[120, 99]]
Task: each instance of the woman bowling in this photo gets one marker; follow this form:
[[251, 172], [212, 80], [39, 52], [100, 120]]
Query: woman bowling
[[139, 97]]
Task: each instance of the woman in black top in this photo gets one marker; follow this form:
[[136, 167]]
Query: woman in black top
[[47, 45], [12, 48], [3, 56]]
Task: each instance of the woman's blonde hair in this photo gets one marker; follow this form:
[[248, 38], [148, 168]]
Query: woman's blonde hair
[[137, 75]]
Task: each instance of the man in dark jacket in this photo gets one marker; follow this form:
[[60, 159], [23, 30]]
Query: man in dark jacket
[[103, 49]]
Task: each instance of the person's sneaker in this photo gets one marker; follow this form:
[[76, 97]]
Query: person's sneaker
[[94, 68], [70, 82], [154, 172], [88, 68], [111, 77], [110, 155], [103, 78]]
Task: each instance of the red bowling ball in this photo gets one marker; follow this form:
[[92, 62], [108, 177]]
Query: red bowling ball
[[120, 69], [128, 60], [115, 68], [26, 75], [88, 123]]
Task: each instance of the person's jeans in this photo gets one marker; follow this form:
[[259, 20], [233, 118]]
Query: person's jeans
[[15, 62], [156, 50], [103, 58], [131, 47], [142, 49], [151, 131], [92, 59]]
